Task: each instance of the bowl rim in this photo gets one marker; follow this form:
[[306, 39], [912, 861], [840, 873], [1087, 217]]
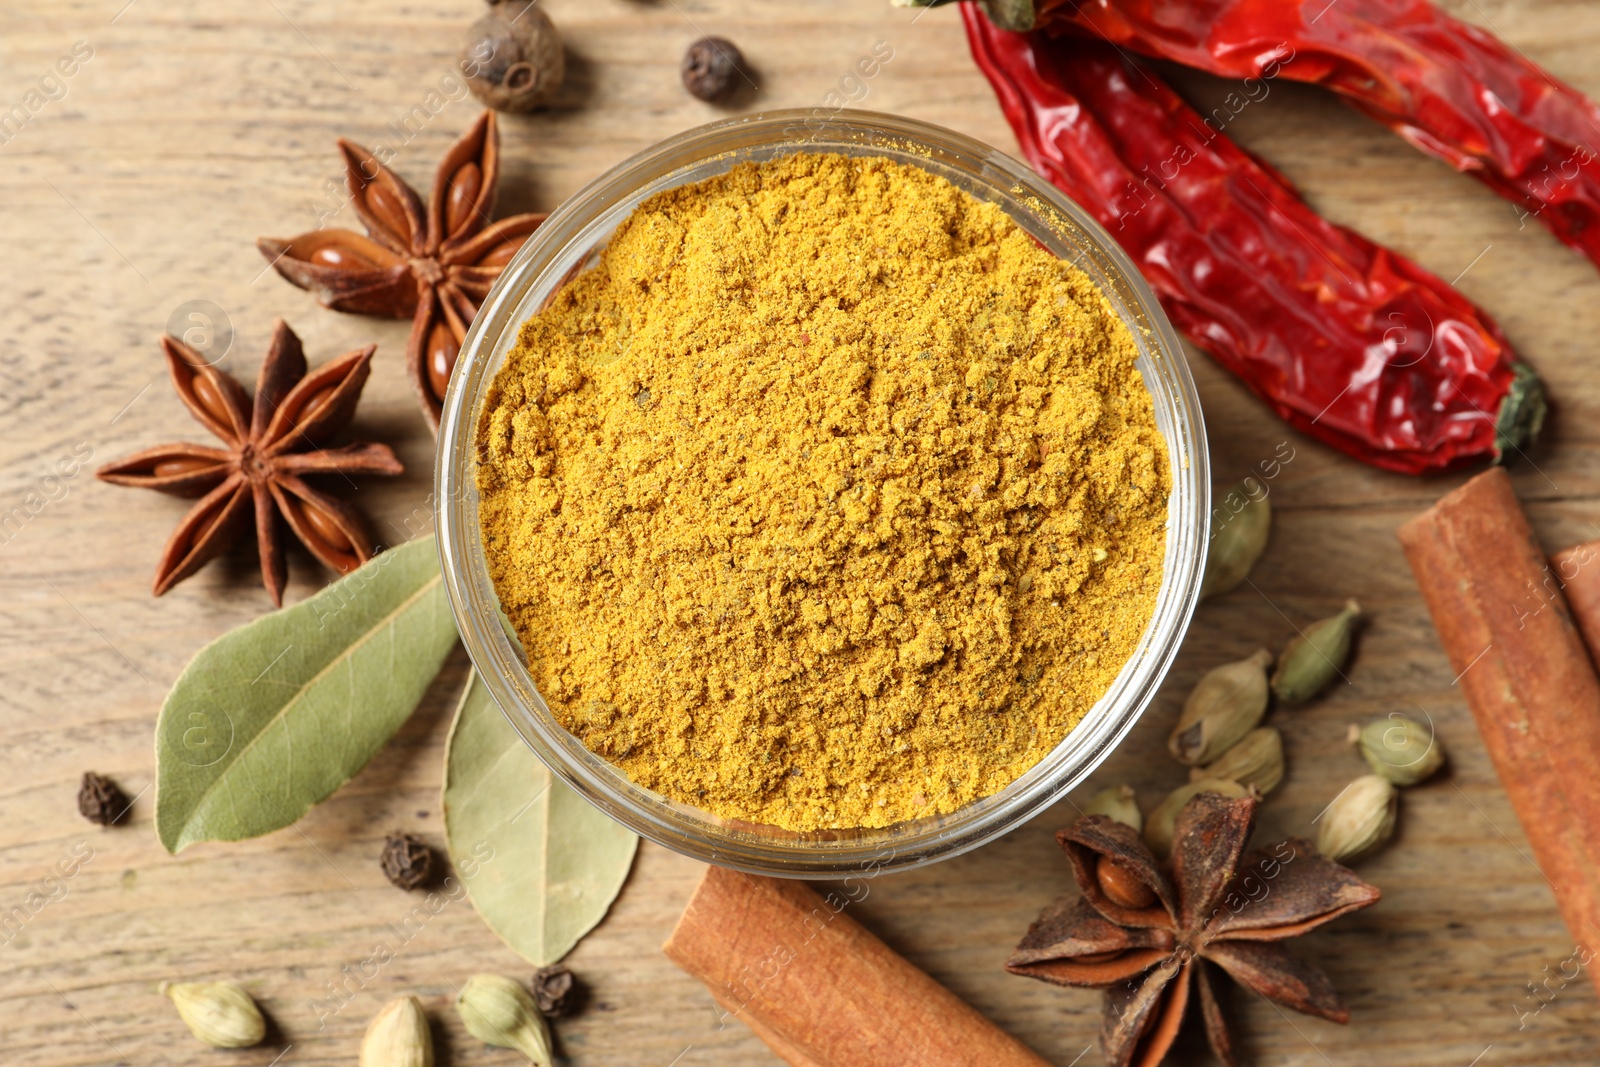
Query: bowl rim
[[557, 248]]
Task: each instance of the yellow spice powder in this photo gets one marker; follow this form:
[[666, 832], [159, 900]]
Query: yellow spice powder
[[827, 499]]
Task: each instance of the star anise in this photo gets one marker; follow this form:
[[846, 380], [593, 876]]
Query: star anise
[[272, 445], [1151, 939], [434, 267]]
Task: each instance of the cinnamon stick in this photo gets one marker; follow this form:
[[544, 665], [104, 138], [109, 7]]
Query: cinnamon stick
[[820, 989], [1577, 570], [1527, 676]]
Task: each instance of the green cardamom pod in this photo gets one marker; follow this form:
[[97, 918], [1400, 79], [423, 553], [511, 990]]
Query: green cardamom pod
[[1399, 748], [398, 1036], [1316, 657], [1117, 804], [498, 1011], [1238, 537], [221, 1014], [1256, 760], [1159, 827], [1224, 705], [1359, 820]]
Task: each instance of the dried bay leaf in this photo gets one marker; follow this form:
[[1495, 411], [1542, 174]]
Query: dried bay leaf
[[541, 864], [272, 717]]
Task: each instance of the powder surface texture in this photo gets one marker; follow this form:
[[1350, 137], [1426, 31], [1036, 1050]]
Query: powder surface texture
[[829, 498]]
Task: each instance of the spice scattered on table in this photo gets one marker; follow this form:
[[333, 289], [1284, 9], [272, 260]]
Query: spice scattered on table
[[556, 991], [1527, 676], [1360, 819], [902, 506], [712, 68], [1256, 760], [398, 1036], [1161, 825], [219, 1014], [1399, 748], [1225, 705], [1214, 908], [434, 265], [100, 800], [513, 58], [1241, 521], [498, 1011], [347, 664], [407, 861], [557, 867], [772, 953], [1117, 803], [274, 443], [1291, 303], [1315, 657]]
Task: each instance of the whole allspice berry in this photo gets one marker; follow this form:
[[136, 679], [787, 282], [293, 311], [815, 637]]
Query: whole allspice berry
[[100, 801], [407, 860], [512, 58], [711, 66]]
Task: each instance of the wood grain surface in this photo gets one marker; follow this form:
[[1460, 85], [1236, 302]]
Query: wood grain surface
[[131, 199]]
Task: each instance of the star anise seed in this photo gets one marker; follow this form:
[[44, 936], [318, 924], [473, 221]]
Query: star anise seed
[[434, 266], [1154, 937], [273, 443]]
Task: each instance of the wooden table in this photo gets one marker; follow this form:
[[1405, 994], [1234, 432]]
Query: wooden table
[[194, 128]]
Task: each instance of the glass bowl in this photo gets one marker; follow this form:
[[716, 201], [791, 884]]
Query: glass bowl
[[570, 240]]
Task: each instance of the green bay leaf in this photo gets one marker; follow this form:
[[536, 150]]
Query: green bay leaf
[[272, 717], [541, 864]]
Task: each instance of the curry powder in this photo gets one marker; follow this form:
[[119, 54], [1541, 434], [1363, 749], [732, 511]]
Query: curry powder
[[828, 498]]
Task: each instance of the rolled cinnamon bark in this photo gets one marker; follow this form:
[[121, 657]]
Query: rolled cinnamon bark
[[1578, 569], [1527, 676], [820, 989]]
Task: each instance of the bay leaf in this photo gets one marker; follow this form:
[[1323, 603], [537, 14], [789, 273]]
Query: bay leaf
[[272, 717], [540, 863]]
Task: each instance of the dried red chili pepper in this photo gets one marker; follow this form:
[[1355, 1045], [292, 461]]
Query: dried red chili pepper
[[1453, 90], [1349, 342]]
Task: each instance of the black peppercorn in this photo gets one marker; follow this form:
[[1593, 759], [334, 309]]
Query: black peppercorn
[[407, 860], [556, 991], [100, 801], [711, 66]]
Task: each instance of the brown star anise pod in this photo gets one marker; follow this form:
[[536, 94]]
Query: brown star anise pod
[[1150, 939], [272, 445], [434, 267]]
